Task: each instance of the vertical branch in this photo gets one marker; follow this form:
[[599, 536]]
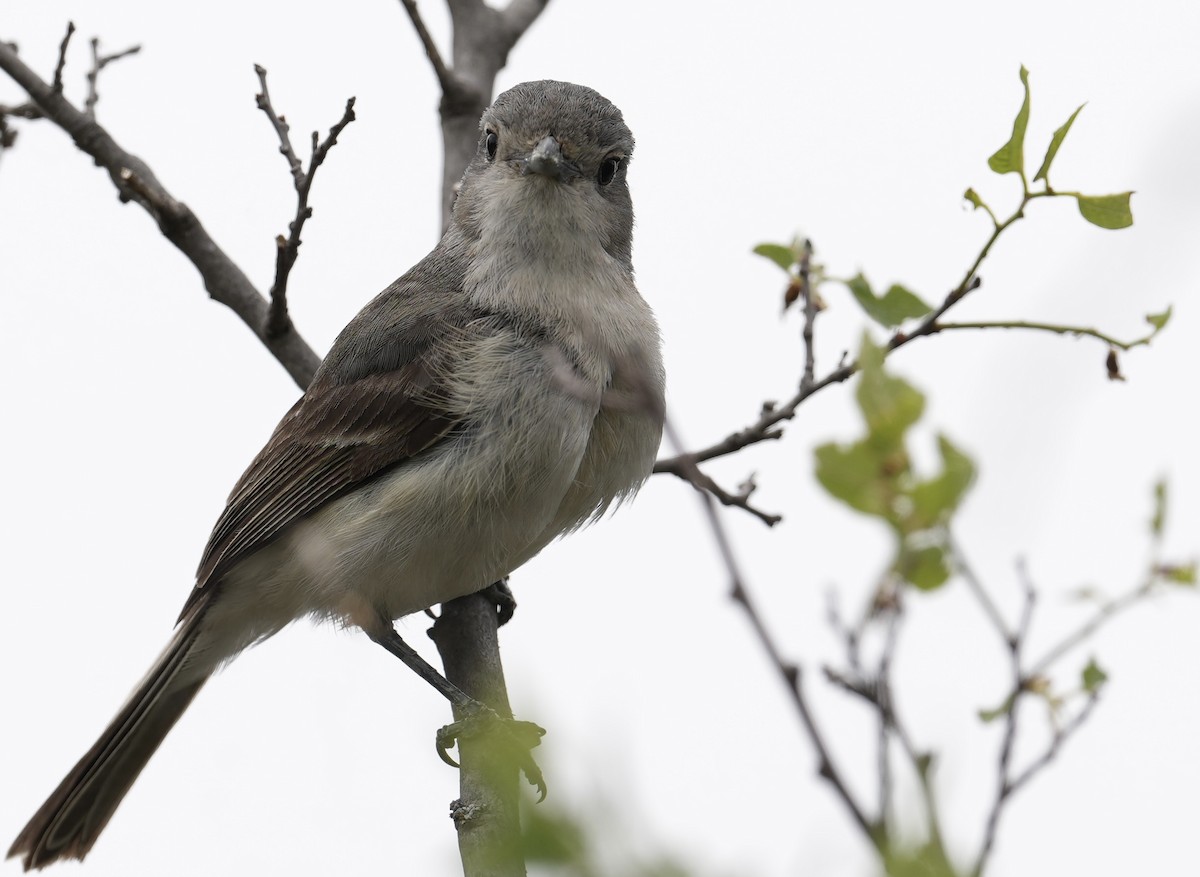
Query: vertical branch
[[487, 812], [883, 691], [810, 317], [466, 630], [483, 37]]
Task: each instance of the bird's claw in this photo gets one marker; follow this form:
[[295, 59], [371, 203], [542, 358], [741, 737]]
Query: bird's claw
[[506, 604], [507, 738]]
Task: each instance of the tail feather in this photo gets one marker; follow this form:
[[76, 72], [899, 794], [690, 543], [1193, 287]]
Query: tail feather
[[67, 825]]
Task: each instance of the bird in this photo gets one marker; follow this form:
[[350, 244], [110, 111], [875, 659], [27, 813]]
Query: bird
[[506, 390]]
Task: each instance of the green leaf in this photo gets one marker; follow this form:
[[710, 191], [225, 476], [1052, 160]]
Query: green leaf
[[779, 254], [973, 196], [862, 291], [1106, 211], [1180, 575], [1159, 321], [1055, 142], [1093, 677], [899, 304], [926, 568], [893, 308], [551, 837], [1010, 158], [1160, 508], [993, 714], [936, 499], [855, 474], [890, 405]]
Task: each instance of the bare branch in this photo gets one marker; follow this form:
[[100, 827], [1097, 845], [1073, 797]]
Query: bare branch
[[282, 130], [486, 814], [1055, 328], [740, 500], [482, 38], [287, 249], [26, 110], [99, 62], [480, 47], [810, 315], [765, 427], [1085, 631], [977, 589], [134, 180], [1060, 737], [791, 673], [8, 135], [1015, 643], [519, 15], [886, 719], [445, 77], [57, 85], [322, 149]]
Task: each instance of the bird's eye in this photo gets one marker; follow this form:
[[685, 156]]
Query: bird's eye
[[608, 170], [490, 144]]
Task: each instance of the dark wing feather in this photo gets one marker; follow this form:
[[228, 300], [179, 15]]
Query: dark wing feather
[[337, 437]]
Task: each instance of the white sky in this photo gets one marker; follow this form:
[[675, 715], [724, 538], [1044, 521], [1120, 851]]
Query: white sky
[[135, 403]]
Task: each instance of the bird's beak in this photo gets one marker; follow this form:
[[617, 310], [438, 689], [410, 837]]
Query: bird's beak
[[546, 160]]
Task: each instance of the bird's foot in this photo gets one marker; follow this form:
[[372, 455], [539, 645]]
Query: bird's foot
[[506, 604], [504, 738]]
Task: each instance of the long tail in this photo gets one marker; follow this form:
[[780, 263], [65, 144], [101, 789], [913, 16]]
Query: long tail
[[67, 825]]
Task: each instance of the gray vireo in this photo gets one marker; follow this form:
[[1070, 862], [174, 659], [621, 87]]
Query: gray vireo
[[504, 391]]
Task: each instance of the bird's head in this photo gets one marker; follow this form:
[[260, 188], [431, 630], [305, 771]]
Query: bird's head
[[550, 171]]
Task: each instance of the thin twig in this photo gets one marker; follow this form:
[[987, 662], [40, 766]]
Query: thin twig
[[282, 130], [886, 717], [446, 78], [99, 62], [1016, 644], [928, 326], [1085, 631], [1078, 331], [790, 672], [922, 765], [876, 690], [26, 110], [740, 500], [8, 134], [278, 322], [57, 84], [766, 426], [1060, 737], [810, 315], [975, 586], [764, 429]]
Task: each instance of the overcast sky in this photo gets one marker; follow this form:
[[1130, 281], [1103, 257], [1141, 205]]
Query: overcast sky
[[134, 403]]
